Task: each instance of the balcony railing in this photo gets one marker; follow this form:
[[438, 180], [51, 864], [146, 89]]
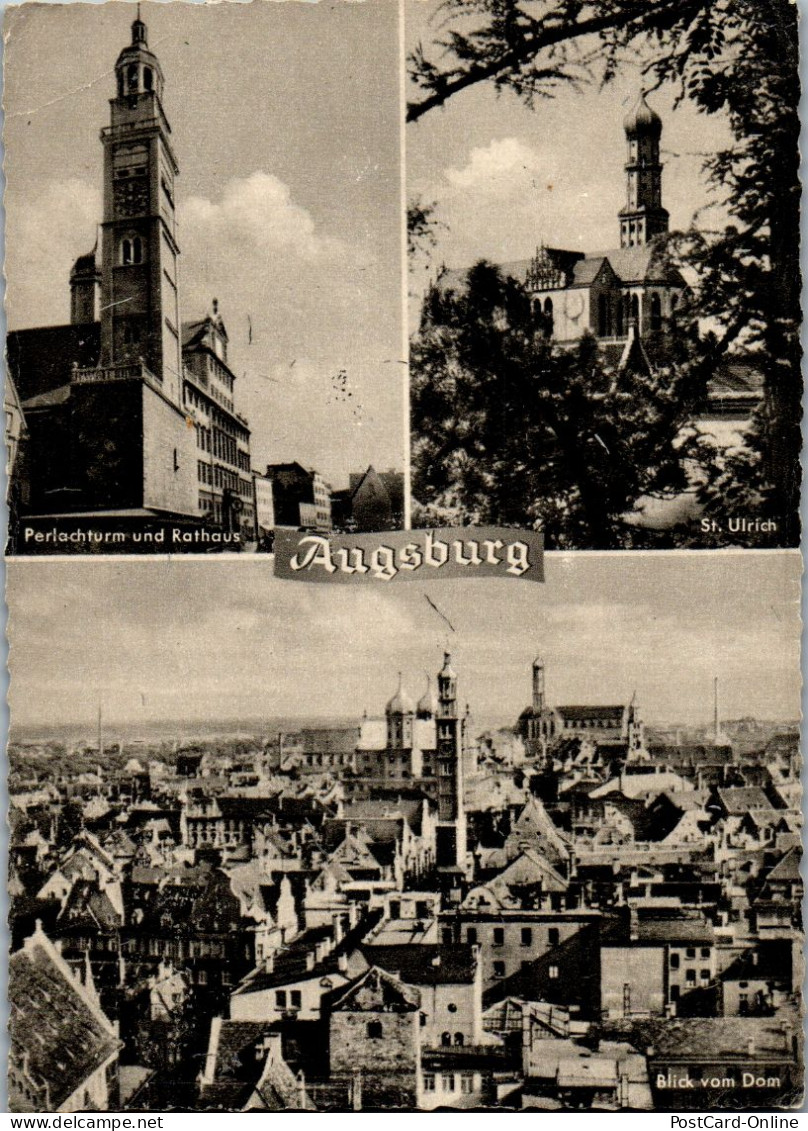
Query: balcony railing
[[104, 374]]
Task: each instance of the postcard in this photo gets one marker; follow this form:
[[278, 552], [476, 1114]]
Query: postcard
[[403, 571]]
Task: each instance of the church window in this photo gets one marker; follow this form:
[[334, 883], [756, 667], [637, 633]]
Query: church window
[[656, 313], [553, 936], [131, 76], [429, 1083], [147, 78], [374, 1030], [446, 1039], [603, 315], [548, 317], [458, 1039], [553, 972], [635, 310], [120, 84]]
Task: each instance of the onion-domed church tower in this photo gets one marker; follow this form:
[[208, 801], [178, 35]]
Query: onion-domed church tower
[[643, 216]]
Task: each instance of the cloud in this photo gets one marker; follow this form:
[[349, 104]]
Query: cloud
[[506, 167], [257, 214]]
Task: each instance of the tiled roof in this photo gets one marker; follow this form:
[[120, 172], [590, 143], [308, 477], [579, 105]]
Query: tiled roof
[[579, 713], [58, 1036], [737, 800], [427, 964]]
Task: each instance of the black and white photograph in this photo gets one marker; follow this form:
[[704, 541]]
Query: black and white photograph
[[603, 206], [204, 255], [485, 847]]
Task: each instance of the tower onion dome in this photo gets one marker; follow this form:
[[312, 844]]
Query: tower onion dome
[[400, 704], [428, 703], [642, 119], [85, 267], [447, 668]]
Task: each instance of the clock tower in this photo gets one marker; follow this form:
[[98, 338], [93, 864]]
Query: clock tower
[[139, 304]]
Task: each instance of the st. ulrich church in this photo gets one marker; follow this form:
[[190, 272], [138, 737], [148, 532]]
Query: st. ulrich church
[[627, 297], [129, 413]]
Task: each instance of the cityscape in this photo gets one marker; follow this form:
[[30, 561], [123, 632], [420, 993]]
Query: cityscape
[[588, 906]]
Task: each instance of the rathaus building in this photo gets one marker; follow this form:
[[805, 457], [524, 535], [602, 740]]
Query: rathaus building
[[130, 412]]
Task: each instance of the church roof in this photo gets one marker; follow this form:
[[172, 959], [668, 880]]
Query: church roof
[[644, 264], [579, 713]]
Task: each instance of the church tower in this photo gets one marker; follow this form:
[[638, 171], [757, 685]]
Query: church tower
[[643, 216], [538, 685], [451, 824], [139, 305]]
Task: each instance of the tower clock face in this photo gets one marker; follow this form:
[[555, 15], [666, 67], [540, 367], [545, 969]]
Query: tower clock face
[[132, 196]]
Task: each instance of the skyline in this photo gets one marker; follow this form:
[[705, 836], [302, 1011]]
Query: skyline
[[236, 643], [288, 200]]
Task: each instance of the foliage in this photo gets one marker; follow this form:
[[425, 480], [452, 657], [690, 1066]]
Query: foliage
[[509, 429]]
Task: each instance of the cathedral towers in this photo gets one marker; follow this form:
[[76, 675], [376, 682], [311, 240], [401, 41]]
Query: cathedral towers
[[643, 216]]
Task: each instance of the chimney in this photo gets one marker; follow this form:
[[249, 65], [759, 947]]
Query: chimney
[[633, 925], [342, 963]]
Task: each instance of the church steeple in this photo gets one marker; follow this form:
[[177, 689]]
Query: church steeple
[[643, 216]]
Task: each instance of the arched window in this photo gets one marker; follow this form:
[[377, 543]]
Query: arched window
[[131, 77], [635, 310], [458, 1039], [120, 84], [446, 1039], [374, 1030], [603, 318], [656, 313], [147, 78], [548, 317], [621, 320], [131, 250]]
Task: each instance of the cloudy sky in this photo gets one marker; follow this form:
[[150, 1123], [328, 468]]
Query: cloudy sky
[[176, 639], [507, 177], [286, 125]]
